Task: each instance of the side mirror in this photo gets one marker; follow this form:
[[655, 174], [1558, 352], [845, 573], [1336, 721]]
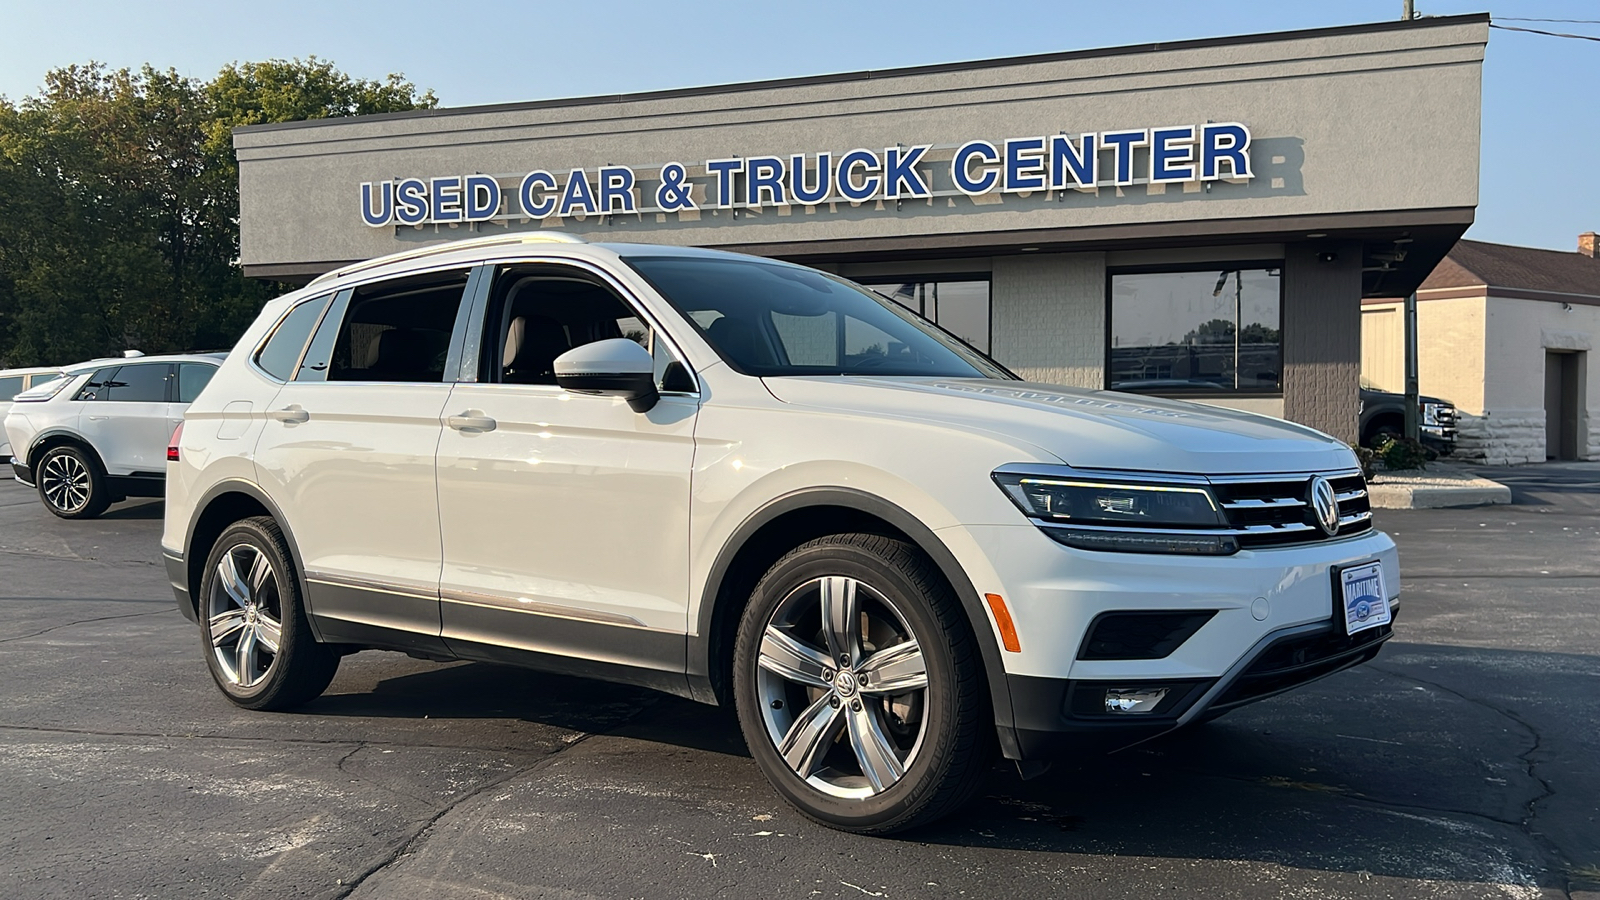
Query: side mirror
[[613, 368]]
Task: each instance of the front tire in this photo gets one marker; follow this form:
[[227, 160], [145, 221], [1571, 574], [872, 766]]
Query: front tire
[[71, 483], [859, 686], [258, 642]]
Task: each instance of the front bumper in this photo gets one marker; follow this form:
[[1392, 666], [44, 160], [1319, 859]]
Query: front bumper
[[1237, 607], [1055, 716], [22, 473], [1439, 439]]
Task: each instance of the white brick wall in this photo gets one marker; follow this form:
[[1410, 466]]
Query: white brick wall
[[1501, 437]]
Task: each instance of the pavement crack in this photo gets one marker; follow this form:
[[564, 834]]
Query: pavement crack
[[34, 634], [1531, 809], [421, 833], [1354, 797]]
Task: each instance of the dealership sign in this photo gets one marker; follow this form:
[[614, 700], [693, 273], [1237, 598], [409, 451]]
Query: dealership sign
[[1176, 155]]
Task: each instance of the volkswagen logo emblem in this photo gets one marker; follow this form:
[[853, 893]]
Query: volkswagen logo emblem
[[1325, 504]]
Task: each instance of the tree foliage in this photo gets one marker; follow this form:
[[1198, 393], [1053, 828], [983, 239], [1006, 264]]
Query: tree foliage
[[120, 200], [1220, 331]]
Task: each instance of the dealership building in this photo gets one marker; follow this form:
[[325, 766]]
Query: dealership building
[[1199, 219]]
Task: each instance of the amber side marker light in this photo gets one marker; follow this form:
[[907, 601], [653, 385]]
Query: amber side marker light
[[1002, 620], [172, 445]]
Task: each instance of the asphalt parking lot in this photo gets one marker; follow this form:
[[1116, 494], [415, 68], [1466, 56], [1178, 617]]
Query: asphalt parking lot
[[1464, 762]]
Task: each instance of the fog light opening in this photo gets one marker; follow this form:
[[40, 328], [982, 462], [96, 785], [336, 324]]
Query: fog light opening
[[1123, 701]]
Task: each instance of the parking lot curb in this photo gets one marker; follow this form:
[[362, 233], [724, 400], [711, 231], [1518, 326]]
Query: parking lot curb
[[1434, 488]]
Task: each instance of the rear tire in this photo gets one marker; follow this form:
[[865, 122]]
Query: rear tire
[[258, 642], [71, 483], [859, 686]]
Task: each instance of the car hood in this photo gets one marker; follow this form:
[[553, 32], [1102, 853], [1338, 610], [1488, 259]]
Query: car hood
[[1085, 429]]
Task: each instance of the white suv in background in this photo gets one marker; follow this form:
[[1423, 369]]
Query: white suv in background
[[12, 383], [749, 482], [99, 434]]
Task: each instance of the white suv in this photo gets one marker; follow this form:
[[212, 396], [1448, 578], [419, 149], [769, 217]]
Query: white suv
[[99, 434], [749, 482], [12, 383]]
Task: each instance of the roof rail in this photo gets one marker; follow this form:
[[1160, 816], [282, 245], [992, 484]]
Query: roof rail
[[524, 237]]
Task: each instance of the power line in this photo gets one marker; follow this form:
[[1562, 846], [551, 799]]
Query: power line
[[1576, 37], [1566, 21]]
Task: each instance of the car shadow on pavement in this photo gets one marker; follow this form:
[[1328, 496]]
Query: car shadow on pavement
[[136, 509], [476, 690], [1428, 763], [1435, 762]]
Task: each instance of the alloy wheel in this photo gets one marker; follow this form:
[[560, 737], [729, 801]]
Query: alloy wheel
[[66, 482], [843, 687], [244, 615]]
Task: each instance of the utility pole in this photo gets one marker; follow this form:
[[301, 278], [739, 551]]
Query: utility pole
[[1413, 389]]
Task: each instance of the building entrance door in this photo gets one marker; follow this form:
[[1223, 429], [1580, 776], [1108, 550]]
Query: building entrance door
[[1562, 395]]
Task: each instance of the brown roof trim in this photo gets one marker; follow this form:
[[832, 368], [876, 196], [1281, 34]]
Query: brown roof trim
[[1492, 292], [869, 74]]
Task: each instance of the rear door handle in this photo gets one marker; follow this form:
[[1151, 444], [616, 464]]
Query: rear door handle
[[471, 420], [290, 415]]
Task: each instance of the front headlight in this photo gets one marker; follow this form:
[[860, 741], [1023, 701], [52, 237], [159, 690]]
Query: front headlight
[[1128, 517], [1431, 413]]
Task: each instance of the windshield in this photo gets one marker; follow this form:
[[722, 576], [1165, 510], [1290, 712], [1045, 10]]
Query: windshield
[[769, 319]]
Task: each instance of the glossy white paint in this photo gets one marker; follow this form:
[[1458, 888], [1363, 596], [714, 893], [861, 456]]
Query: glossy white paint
[[351, 466], [616, 356], [571, 501], [531, 497], [130, 437]]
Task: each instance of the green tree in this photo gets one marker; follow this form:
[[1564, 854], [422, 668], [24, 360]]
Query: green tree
[[121, 200]]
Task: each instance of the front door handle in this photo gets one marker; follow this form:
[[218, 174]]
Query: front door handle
[[472, 420], [290, 415]]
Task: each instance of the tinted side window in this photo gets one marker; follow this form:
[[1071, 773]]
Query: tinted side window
[[96, 387], [540, 312], [398, 330], [145, 383], [10, 387], [192, 379], [282, 350]]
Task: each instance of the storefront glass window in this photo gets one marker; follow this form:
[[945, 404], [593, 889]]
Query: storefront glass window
[[1208, 332], [959, 307]]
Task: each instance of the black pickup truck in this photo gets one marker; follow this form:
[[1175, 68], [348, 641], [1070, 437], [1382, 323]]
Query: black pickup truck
[[1384, 413]]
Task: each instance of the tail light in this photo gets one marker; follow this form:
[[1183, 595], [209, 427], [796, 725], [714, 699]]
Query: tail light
[[172, 445]]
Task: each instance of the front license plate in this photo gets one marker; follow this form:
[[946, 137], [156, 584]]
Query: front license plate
[[1366, 603]]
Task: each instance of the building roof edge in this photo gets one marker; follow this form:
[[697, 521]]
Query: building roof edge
[[869, 74]]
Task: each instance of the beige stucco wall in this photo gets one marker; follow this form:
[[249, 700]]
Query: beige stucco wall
[[1519, 333], [1383, 357], [1487, 356]]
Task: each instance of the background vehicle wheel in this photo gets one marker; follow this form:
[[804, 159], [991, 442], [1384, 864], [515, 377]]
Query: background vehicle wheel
[[859, 686], [258, 643], [71, 484], [1384, 429]]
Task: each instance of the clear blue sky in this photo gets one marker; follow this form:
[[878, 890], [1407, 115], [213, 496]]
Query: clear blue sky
[[1535, 88]]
